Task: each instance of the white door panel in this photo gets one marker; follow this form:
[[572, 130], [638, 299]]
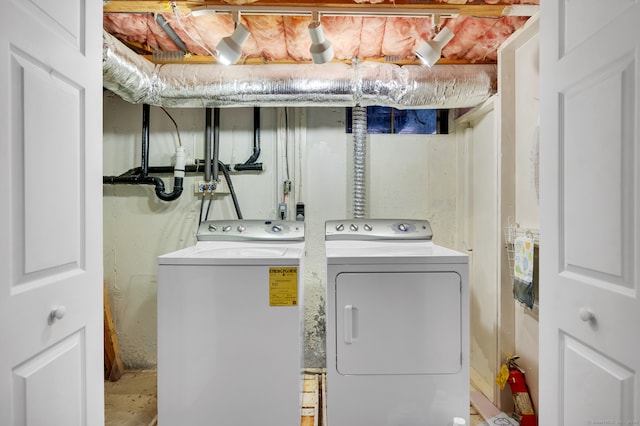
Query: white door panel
[[594, 386], [55, 375], [51, 217], [398, 323], [597, 144], [50, 235], [589, 311], [583, 19]]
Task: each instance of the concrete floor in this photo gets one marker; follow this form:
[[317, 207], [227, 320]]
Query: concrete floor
[[133, 401]]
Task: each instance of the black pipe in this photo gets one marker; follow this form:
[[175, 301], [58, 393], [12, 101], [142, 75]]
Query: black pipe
[[207, 145], [248, 167], [225, 172], [130, 177], [146, 110], [216, 142], [256, 136], [147, 180], [173, 195], [126, 179], [251, 164], [163, 170]]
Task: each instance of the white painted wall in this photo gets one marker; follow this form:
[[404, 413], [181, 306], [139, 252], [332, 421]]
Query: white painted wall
[[503, 174], [483, 188], [526, 197], [408, 176]]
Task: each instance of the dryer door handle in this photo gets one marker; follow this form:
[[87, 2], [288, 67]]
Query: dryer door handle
[[350, 324]]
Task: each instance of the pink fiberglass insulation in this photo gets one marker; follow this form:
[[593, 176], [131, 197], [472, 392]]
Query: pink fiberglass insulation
[[402, 35], [268, 31], [286, 38], [344, 34], [371, 36], [467, 35], [487, 46]]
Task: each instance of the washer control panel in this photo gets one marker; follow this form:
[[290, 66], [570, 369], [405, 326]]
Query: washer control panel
[[378, 229], [250, 230]]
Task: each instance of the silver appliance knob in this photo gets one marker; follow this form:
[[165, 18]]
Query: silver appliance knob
[[226, 228], [353, 227], [367, 227], [242, 228], [340, 227], [403, 227], [212, 228], [276, 228]]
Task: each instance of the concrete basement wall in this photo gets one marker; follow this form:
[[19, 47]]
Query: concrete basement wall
[[409, 176]]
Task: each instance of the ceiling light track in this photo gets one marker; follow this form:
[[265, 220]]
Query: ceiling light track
[[325, 11]]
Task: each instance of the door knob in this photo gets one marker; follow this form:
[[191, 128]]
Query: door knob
[[586, 315], [57, 313]]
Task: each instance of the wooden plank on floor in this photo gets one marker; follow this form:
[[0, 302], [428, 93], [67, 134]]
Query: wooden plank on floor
[[113, 367], [483, 406], [309, 413], [323, 399], [312, 400]]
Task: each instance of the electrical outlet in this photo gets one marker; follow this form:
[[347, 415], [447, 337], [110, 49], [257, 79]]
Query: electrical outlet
[[213, 187], [282, 210]]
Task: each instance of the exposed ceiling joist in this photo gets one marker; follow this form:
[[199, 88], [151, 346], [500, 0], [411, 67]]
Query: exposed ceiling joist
[[398, 6], [255, 61]]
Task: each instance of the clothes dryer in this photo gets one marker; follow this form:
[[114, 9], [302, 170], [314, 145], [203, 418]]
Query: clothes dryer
[[230, 326], [397, 325]]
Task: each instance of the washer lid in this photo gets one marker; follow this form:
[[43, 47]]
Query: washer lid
[[378, 229], [237, 253], [250, 230]]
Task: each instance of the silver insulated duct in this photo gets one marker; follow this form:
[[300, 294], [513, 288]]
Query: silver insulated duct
[[137, 80], [359, 129]]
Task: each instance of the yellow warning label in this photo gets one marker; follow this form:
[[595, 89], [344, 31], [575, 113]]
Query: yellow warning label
[[503, 376], [283, 286]]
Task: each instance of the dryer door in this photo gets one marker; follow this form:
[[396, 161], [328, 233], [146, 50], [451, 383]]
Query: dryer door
[[398, 323]]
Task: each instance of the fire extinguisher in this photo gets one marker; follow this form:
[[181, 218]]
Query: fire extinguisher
[[521, 399]]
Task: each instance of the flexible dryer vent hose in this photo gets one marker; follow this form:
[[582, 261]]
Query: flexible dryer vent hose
[[359, 128]]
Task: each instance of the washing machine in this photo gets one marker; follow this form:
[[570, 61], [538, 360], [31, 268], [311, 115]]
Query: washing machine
[[397, 325], [230, 326]]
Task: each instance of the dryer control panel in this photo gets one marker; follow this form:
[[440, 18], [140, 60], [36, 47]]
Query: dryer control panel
[[251, 230], [378, 229]]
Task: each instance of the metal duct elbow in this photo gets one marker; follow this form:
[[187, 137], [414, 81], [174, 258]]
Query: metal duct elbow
[[126, 74], [137, 80]]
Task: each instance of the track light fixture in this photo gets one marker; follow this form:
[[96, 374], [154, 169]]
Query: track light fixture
[[321, 49], [230, 48], [429, 52]]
